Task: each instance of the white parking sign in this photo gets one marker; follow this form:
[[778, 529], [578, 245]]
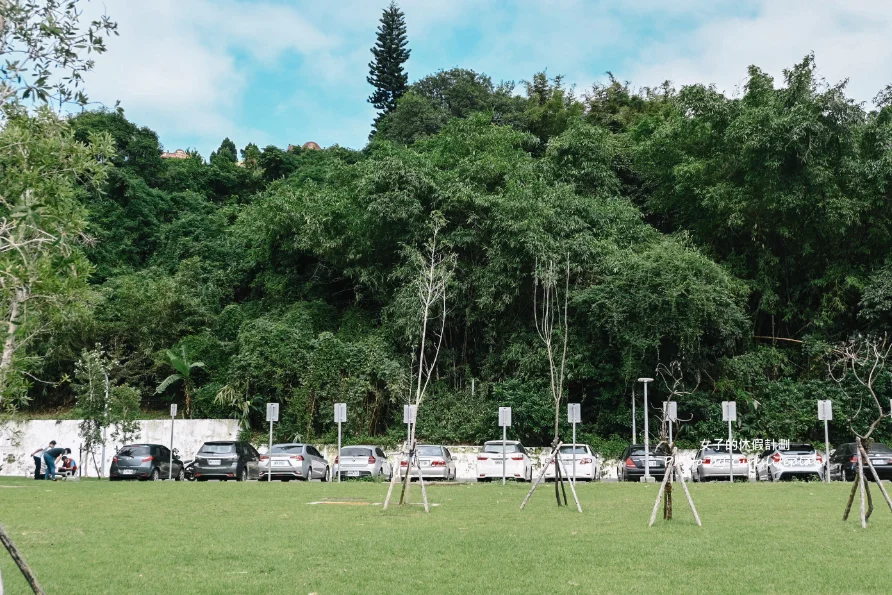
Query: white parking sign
[[272, 412], [504, 416]]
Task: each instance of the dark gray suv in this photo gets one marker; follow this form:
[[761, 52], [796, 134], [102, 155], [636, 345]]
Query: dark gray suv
[[146, 462], [226, 460]]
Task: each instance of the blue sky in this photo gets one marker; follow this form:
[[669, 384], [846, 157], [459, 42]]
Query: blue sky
[[280, 72]]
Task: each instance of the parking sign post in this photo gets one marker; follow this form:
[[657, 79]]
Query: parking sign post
[[340, 416], [670, 411], [729, 413], [825, 413], [647, 476], [504, 421], [574, 416], [272, 415], [173, 416]]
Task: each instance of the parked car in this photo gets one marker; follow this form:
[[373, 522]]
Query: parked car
[[226, 460], [844, 462], [799, 460], [295, 461], [362, 461], [517, 462], [631, 466], [712, 462], [145, 462], [586, 463], [436, 462]]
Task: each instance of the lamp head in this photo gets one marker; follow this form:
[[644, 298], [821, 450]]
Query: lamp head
[[645, 380]]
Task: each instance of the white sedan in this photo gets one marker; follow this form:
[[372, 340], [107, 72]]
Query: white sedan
[[586, 463], [517, 463]]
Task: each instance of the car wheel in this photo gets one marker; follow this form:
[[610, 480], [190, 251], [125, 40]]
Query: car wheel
[[181, 475], [156, 475], [243, 475]]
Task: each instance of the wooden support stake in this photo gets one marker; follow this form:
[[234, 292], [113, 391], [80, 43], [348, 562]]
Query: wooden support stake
[[572, 487], [845, 515], [876, 478], [541, 475], [688, 494], [423, 489], [393, 477], [861, 487], [653, 515], [20, 562]]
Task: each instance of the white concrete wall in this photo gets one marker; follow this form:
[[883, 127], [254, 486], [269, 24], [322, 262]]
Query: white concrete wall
[[19, 439]]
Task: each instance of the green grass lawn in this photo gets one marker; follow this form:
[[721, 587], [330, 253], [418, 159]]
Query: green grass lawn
[[176, 538]]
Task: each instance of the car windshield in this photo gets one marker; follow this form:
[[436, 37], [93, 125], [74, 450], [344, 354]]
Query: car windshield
[[721, 450], [356, 452], [430, 451], [287, 448], [796, 449], [134, 451], [497, 448], [217, 449], [580, 450]]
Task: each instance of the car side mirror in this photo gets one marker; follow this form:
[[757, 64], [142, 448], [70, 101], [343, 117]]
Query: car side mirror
[[176, 453]]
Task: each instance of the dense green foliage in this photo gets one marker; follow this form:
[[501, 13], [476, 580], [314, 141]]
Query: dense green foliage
[[739, 236]]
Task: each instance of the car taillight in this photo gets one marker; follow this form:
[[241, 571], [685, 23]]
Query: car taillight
[[630, 463], [707, 461], [336, 460], [482, 458], [438, 463], [115, 460], [585, 461], [148, 459], [404, 463], [819, 459], [297, 457], [743, 460], [776, 457], [372, 460], [264, 457], [854, 459], [520, 458]]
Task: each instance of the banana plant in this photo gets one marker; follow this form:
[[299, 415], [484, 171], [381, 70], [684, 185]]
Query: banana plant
[[180, 362]]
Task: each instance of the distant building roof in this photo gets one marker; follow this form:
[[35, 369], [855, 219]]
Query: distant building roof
[[312, 145], [178, 154]]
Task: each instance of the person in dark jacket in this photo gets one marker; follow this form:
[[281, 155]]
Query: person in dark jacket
[[49, 458]]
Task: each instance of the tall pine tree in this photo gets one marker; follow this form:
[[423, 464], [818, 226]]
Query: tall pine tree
[[386, 72]]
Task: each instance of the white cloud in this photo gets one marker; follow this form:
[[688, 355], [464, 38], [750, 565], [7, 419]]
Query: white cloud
[[850, 40], [176, 65]]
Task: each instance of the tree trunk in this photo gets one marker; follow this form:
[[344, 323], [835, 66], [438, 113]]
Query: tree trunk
[[9, 342]]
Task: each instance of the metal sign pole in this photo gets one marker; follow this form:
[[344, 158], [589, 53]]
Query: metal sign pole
[[729, 413], [173, 416], [340, 416], [825, 413], [647, 476], [504, 450], [634, 420], [272, 415], [504, 421]]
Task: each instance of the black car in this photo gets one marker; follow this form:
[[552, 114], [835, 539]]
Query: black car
[[145, 462], [631, 464], [226, 460], [844, 462]]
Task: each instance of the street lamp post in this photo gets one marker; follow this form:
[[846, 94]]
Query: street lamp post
[[646, 432], [634, 427]]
